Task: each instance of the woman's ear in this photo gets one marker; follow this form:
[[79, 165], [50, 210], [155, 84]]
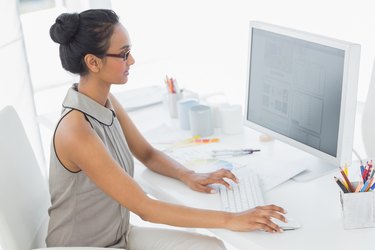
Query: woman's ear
[[93, 62]]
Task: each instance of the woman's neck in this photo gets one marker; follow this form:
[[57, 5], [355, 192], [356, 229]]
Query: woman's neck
[[98, 91]]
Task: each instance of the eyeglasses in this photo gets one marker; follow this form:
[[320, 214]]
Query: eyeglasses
[[124, 55]]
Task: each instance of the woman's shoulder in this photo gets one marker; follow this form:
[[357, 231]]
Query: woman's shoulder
[[73, 125], [72, 135]]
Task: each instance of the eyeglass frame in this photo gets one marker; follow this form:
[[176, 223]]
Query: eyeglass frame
[[123, 55]]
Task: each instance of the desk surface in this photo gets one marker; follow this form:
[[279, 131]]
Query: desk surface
[[315, 204]]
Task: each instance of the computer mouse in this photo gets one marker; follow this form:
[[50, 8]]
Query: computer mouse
[[292, 224]]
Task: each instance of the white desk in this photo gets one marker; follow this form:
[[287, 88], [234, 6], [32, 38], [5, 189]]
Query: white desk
[[315, 204]]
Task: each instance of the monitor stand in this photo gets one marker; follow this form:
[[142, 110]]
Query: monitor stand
[[315, 168]]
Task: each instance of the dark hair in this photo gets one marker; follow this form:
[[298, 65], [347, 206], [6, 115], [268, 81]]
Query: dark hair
[[79, 34]]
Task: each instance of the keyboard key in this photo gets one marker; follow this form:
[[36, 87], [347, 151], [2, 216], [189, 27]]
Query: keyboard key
[[243, 196]]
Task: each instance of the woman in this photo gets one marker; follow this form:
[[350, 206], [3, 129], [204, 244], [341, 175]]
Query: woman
[[91, 167]]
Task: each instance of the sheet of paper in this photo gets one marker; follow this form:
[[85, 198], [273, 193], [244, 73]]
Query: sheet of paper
[[199, 157], [269, 170]]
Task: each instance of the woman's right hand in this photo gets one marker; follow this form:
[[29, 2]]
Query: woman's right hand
[[258, 218]]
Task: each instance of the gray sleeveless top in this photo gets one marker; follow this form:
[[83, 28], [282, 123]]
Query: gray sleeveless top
[[81, 214]]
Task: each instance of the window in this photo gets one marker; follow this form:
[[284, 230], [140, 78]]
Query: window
[[33, 5]]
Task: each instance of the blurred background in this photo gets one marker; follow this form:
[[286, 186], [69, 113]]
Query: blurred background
[[201, 43]]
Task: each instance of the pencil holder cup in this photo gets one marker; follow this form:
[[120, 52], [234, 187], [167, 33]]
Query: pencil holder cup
[[358, 209], [201, 120], [172, 104], [183, 107]]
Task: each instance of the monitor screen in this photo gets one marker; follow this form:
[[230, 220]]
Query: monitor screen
[[302, 89]]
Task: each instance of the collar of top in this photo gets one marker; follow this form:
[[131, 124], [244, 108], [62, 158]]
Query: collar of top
[[76, 100]]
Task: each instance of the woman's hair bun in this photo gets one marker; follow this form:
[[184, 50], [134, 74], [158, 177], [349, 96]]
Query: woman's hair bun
[[64, 28]]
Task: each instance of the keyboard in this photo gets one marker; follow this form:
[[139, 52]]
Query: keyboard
[[248, 194], [243, 196]]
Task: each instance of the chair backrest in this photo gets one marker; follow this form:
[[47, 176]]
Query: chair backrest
[[24, 196], [368, 118]]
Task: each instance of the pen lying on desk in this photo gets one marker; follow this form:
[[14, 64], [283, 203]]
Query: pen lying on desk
[[238, 152]]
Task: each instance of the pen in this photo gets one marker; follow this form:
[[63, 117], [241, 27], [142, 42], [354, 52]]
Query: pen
[[369, 186], [364, 188], [364, 174], [236, 150], [344, 183], [362, 168], [370, 172], [367, 171], [343, 188], [175, 86], [372, 187], [351, 189], [360, 184], [346, 169], [228, 152], [170, 84]]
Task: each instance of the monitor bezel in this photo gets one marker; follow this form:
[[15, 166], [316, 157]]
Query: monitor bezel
[[348, 94]]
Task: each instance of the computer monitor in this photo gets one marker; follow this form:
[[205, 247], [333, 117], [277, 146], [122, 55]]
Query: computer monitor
[[302, 90]]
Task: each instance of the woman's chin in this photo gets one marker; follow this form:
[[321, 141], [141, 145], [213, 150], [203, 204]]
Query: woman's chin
[[122, 82]]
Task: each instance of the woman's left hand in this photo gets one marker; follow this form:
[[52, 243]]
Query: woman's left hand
[[200, 181]]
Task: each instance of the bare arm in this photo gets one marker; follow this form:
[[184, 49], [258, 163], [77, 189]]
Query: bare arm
[[161, 163], [79, 148]]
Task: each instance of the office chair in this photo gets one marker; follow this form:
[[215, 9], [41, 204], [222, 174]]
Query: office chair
[[368, 118], [24, 196]]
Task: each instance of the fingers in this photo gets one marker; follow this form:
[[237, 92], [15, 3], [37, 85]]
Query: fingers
[[265, 213], [273, 208], [200, 182], [222, 182], [265, 224], [219, 175], [225, 173], [205, 189], [257, 219], [211, 179], [272, 211], [261, 218]]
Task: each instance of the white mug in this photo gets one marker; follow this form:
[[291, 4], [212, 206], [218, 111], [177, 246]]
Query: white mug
[[215, 102], [231, 119]]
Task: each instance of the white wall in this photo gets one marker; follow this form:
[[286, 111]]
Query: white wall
[[204, 42], [49, 80], [15, 85]]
